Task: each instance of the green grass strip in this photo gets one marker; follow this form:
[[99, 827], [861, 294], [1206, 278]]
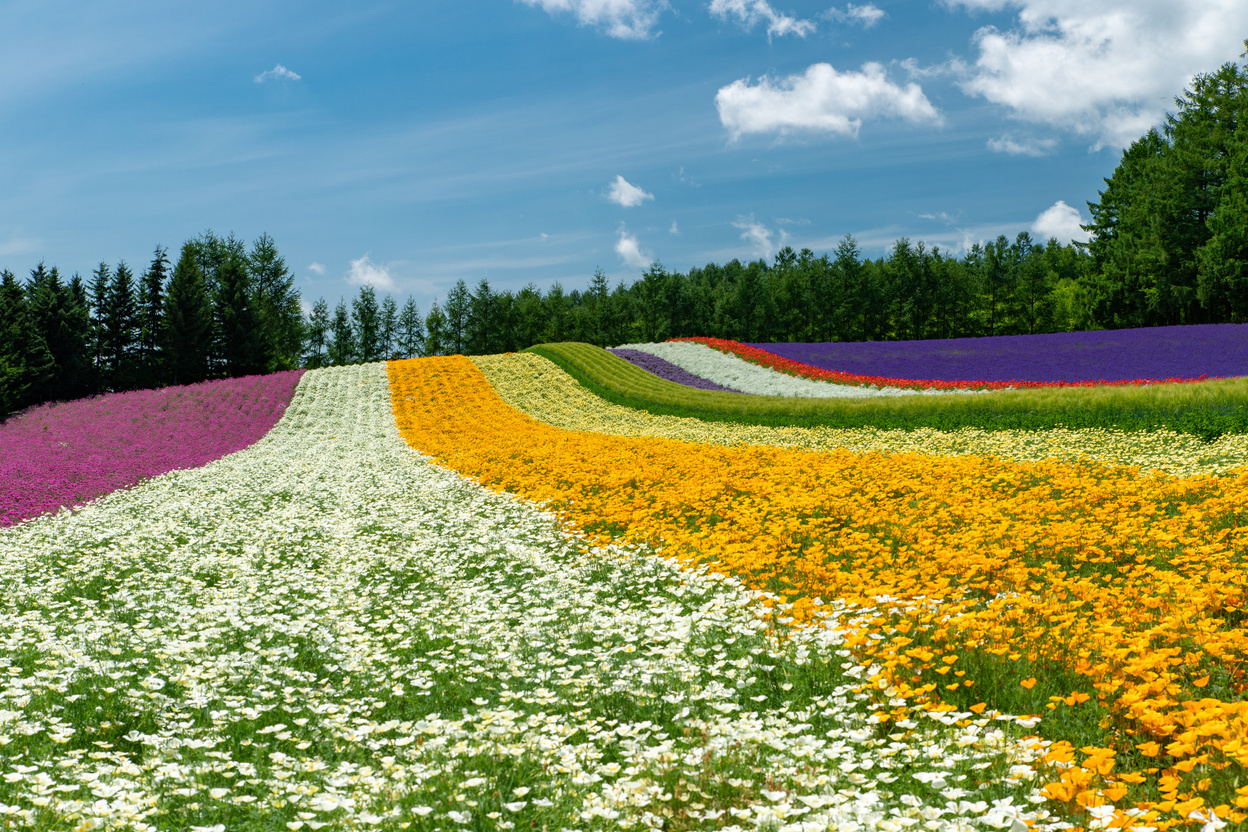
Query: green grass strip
[[1206, 409]]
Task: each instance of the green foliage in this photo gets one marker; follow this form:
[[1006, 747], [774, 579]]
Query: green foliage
[[1205, 409]]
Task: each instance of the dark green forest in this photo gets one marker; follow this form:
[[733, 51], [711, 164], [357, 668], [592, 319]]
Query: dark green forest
[[1169, 245]]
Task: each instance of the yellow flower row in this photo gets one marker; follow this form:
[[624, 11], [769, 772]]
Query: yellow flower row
[[534, 385], [969, 569]]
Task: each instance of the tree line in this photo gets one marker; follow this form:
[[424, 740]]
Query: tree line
[[222, 310]]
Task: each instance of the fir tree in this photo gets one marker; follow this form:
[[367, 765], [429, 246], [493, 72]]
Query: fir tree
[[316, 336], [187, 339], [411, 333]]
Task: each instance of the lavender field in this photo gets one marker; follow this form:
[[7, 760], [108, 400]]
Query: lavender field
[[1170, 352]]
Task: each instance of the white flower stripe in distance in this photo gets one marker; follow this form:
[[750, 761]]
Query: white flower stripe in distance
[[326, 631], [731, 371]]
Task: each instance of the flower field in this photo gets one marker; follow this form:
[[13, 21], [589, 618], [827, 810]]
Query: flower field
[[63, 455], [1105, 601], [665, 369], [327, 631], [1164, 352], [446, 593]]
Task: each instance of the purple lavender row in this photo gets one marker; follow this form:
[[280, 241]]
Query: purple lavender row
[[1215, 350], [666, 370], [65, 454]]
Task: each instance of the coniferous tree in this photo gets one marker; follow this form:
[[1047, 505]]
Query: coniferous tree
[[342, 349], [241, 344], [457, 311], [388, 332], [152, 317], [316, 336], [101, 280], [59, 315], [366, 324], [437, 341], [121, 330], [187, 335], [411, 333], [277, 302], [25, 362]]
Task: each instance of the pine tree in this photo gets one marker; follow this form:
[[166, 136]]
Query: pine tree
[[411, 333], [241, 345], [456, 312], [366, 324], [101, 280], [152, 317], [277, 302], [436, 336], [187, 335], [121, 330], [59, 315], [342, 349], [389, 328], [25, 362], [316, 336]]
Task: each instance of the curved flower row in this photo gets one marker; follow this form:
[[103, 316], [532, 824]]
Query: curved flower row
[[764, 358], [59, 455], [1111, 600], [325, 631], [724, 368], [666, 370], [535, 386]]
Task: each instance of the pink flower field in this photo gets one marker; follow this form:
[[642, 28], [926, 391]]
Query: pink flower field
[[59, 455]]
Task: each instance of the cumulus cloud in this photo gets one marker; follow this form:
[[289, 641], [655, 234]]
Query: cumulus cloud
[[821, 100], [1026, 147], [630, 251], [279, 73], [1106, 69], [866, 15], [624, 193], [365, 272], [317, 268], [757, 235], [623, 19], [749, 13], [1060, 222]]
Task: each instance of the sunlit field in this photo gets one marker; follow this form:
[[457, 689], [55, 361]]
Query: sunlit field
[[445, 593]]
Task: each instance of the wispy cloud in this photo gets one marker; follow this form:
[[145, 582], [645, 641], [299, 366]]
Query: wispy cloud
[[749, 13], [1060, 222], [316, 268], [279, 73], [1026, 147], [630, 251], [757, 235], [822, 100], [624, 193], [623, 19], [364, 272], [866, 15]]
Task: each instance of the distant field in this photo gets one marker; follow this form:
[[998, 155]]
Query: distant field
[[1213, 350], [1207, 409]]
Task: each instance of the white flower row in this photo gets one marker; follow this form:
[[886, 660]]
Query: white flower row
[[327, 631], [739, 374]]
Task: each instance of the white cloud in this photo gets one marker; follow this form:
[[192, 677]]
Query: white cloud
[[673, 229], [316, 268], [365, 272], [757, 235], [821, 100], [1060, 222], [624, 19], [626, 194], [279, 72], [749, 13], [1026, 147], [630, 251], [866, 15], [1107, 69]]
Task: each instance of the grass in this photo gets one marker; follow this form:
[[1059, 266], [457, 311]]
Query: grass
[[1206, 409]]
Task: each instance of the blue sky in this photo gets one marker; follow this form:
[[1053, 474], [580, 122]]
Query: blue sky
[[411, 144]]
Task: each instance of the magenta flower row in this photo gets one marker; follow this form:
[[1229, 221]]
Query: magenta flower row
[[60, 455]]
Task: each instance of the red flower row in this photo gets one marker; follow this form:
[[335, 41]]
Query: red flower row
[[796, 368]]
